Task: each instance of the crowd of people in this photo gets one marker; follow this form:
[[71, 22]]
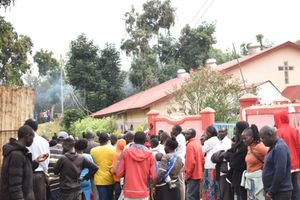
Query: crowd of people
[[253, 165]]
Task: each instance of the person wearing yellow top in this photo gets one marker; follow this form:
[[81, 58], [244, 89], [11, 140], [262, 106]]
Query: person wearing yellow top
[[103, 158]]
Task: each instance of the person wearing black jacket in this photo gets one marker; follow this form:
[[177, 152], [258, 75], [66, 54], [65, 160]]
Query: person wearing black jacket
[[236, 158], [17, 167], [69, 167]]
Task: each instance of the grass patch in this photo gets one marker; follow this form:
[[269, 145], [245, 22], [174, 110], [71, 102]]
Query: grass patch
[[49, 128]]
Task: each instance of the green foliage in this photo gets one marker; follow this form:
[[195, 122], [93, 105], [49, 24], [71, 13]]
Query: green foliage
[[14, 50], [264, 43], [208, 88], [243, 49], [95, 73], [82, 63], [222, 57], [195, 45], [260, 38], [156, 16], [6, 3], [48, 129], [70, 116], [298, 42], [117, 132], [156, 55], [45, 62], [149, 43], [110, 63], [141, 127], [142, 73], [107, 125]]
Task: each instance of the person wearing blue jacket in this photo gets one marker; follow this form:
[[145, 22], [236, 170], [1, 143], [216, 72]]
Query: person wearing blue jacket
[[277, 168]]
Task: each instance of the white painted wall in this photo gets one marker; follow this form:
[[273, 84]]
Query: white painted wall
[[268, 93]]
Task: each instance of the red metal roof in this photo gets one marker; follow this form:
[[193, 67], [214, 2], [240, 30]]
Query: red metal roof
[[144, 99], [232, 64], [292, 92]]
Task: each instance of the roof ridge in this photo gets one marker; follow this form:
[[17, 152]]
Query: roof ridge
[[248, 58]]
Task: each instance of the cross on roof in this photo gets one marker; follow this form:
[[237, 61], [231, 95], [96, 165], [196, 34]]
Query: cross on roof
[[286, 70]]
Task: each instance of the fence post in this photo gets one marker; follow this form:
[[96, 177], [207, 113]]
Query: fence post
[[207, 117], [151, 115], [246, 101]]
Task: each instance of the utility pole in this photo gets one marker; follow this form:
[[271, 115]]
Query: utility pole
[[237, 59], [62, 84]]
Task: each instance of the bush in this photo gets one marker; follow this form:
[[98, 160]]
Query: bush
[[108, 125], [70, 116], [141, 127]]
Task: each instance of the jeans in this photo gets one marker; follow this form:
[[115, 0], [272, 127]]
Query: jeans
[[282, 196], [106, 192], [53, 195], [295, 191], [193, 189]]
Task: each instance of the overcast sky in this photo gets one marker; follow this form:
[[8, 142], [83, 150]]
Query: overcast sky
[[52, 24]]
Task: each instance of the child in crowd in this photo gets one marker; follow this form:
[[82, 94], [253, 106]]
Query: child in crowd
[[158, 157]]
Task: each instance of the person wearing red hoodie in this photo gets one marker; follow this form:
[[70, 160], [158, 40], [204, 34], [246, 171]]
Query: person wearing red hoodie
[[291, 137], [194, 165], [136, 164]]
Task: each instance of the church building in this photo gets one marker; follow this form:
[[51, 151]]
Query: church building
[[272, 70]]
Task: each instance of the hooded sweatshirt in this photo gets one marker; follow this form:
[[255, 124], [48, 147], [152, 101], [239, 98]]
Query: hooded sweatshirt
[[16, 173], [137, 165], [120, 146], [290, 136], [69, 166]]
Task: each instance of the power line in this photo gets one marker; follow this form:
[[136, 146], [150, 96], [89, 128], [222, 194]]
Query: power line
[[205, 11], [86, 109], [240, 68], [194, 25], [77, 105], [199, 11]]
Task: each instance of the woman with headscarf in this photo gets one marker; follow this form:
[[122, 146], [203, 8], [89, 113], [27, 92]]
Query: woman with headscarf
[[121, 143]]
